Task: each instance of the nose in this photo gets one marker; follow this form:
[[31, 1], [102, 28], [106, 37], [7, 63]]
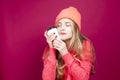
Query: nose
[[62, 27]]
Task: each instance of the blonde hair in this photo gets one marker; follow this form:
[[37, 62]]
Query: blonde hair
[[75, 45]]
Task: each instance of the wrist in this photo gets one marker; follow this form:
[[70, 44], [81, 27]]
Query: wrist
[[64, 52]]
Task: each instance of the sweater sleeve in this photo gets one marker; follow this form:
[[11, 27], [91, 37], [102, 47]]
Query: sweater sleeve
[[49, 60], [79, 69]]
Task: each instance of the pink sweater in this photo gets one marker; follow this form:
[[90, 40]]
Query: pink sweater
[[76, 69]]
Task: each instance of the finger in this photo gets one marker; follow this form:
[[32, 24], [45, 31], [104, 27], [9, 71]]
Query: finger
[[60, 42], [45, 34], [56, 47], [53, 37], [51, 34], [59, 45], [55, 42]]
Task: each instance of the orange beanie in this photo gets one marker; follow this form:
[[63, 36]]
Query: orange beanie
[[70, 13]]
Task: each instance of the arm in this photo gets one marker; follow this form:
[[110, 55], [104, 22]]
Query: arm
[[79, 69], [49, 60]]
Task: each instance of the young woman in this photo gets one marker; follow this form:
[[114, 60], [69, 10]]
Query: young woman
[[71, 57]]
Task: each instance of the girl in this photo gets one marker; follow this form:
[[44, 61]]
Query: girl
[[71, 57]]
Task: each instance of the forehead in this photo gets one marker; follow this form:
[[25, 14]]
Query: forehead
[[65, 20]]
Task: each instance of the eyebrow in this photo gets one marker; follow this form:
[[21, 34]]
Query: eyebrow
[[67, 22]]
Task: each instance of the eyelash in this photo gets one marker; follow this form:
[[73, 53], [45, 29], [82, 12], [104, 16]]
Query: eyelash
[[58, 25], [67, 24]]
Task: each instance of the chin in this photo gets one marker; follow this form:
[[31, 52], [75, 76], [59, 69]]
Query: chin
[[64, 39]]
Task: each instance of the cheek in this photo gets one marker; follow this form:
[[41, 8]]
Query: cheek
[[70, 33], [58, 29]]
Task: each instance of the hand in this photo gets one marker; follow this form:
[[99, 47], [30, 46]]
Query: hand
[[60, 46], [50, 38]]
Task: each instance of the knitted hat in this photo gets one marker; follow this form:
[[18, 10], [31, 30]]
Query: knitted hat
[[70, 13]]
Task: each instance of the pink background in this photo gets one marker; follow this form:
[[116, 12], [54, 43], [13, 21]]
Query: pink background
[[22, 24]]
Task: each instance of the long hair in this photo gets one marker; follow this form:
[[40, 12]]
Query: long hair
[[75, 45]]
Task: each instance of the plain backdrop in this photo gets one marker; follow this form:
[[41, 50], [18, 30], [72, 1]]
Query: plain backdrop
[[22, 25]]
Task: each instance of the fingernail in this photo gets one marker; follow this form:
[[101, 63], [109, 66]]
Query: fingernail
[[55, 36]]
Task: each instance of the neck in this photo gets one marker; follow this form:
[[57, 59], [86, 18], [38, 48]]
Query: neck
[[67, 42]]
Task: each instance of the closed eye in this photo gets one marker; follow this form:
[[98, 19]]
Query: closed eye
[[59, 24], [68, 24]]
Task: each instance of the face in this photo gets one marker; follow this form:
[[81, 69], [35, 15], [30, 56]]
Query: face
[[64, 27]]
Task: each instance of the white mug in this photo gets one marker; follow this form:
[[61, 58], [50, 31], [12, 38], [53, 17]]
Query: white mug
[[53, 30]]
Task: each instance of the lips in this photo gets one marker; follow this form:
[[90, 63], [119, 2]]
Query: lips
[[62, 33]]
